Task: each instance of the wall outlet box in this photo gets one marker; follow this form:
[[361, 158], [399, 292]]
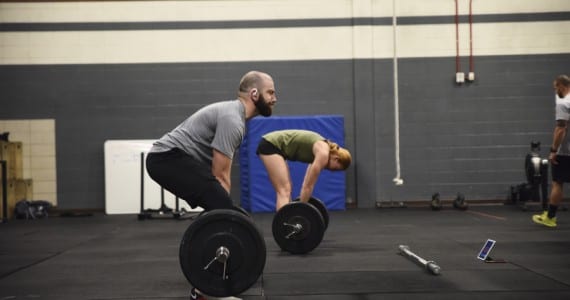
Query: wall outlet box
[[459, 77]]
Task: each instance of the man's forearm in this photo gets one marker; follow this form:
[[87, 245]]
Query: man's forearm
[[225, 182], [559, 134]]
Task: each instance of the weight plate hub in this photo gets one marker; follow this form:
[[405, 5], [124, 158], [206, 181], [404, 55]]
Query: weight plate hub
[[228, 240], [240, 239]]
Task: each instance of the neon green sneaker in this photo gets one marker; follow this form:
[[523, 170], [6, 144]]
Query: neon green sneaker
[[544, 220]]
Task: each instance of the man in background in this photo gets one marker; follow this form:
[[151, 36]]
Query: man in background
[[559, 152]]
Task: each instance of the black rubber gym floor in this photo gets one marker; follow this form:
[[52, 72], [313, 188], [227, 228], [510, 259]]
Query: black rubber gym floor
[[119, 257]]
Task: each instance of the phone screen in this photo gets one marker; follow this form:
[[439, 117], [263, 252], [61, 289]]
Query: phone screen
[[486, 249]]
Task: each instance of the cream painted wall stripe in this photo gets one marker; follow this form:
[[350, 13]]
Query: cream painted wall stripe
[[227, 10], [278, 44]]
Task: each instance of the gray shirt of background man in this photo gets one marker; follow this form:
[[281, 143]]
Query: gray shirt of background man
[[563, 113], [219, 126]]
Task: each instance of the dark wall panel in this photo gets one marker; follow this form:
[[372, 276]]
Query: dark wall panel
[[470, 138], [95, 103]]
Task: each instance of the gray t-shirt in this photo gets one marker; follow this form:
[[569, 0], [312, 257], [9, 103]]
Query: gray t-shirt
[[563, 113], [219, 126]]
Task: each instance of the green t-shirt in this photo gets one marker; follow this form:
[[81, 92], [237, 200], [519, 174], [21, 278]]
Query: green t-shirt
[[297, 145]]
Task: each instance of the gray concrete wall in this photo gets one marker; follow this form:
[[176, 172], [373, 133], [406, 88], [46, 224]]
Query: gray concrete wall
[[470, 138], [103, 78]]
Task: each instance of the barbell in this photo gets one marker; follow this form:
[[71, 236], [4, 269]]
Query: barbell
[[223, 253]]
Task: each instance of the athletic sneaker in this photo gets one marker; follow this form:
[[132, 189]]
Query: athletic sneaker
[[544, 220], [195, 296]]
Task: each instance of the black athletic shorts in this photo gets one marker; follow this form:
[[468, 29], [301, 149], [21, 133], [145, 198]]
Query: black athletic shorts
[[266, 148], [188, 179], [561, 171]]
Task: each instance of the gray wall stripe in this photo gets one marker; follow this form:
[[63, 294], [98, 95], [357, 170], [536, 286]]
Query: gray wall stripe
[[423, 20], [490, 18]]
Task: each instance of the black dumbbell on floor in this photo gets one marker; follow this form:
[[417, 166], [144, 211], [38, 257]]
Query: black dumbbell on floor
[[458, 203]]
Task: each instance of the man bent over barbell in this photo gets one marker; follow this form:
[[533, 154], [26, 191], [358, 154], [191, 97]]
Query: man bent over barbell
[[193, 161]]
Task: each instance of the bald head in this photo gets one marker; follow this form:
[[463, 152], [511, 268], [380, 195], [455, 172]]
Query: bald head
[[257, 93], [253, 79]]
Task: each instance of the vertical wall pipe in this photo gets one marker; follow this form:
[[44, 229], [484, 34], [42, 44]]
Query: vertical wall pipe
[[471, 66], [457, 63], [4, 192], [142, 182]]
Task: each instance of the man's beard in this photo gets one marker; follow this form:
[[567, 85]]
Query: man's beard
[[263, 107]]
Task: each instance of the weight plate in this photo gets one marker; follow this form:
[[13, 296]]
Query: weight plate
[[308, 218], [236, 208], [207, 234], [242, 210], [321, 207]]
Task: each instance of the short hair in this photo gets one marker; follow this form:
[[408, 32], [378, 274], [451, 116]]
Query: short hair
[[562, 80]]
